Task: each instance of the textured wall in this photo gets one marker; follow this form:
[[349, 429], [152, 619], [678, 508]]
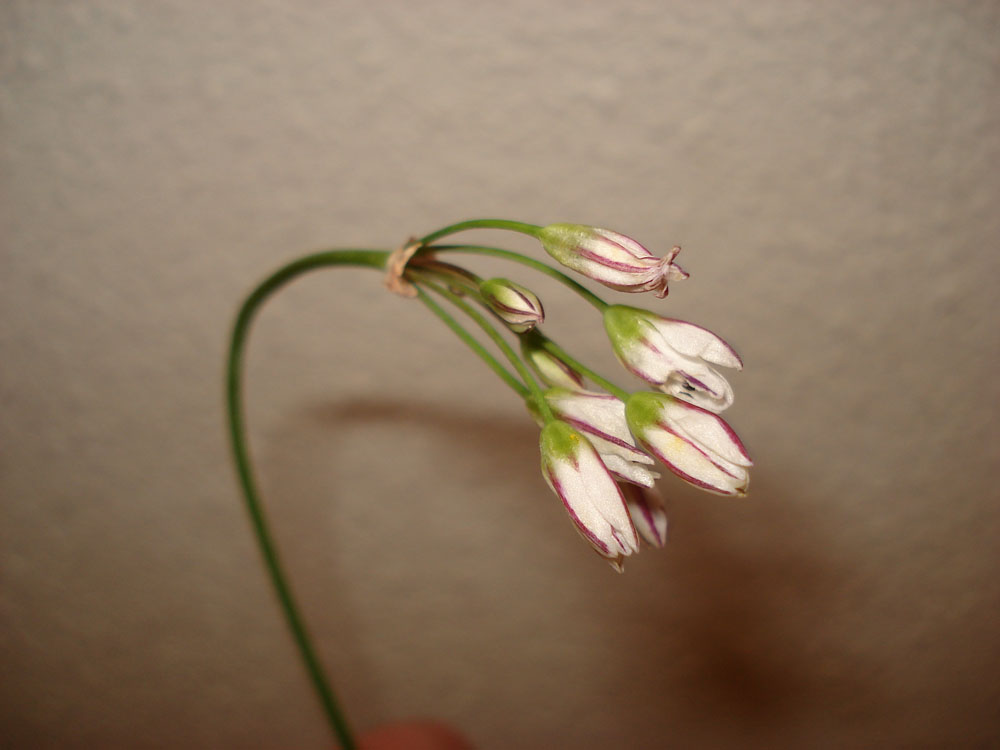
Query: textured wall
[[831, 170]]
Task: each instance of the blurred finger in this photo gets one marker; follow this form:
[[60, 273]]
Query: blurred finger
[[414, 735]]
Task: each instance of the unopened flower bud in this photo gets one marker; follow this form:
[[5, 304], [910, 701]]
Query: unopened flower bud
[[553, 371], [516, 306]]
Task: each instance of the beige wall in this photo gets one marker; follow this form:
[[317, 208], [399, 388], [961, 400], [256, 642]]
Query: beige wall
[[831, 170]]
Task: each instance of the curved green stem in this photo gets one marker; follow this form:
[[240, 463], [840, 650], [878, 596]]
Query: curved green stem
[[533, 387], [237, 432], [513, 226], [478, 348], [554, 349], [538, 265]]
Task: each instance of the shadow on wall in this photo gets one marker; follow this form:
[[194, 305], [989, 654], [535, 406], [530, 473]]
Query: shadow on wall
[[730, 640], [754, 595]]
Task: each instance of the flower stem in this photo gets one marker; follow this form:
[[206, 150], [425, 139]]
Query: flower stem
[[538, 265], [513, 226], [554, 349], [534, 389], [237, 432], [478, 348]]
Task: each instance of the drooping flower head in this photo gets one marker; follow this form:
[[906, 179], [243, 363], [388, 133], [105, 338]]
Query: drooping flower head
[[611, 258], [574, 471], [673, 355], [695, 444]]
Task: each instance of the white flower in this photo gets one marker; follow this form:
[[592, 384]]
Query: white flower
[[574, 471], [601, 418], [695, 444], [649, 515], [611, 258], [672, 354], [515, 305]]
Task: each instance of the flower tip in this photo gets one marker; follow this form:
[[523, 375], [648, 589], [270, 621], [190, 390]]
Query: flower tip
[[675, 272], [743, 489], [735, 360], [669, 271]]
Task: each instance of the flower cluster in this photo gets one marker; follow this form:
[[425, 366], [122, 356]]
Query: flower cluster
[[600, 445]]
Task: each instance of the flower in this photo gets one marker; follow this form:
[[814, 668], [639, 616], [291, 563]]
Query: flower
[[516, 306], [612, 259], [695, 444], [649, 515], [574, 471], [601, 418], [673, 355], [552, 370]]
